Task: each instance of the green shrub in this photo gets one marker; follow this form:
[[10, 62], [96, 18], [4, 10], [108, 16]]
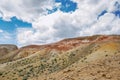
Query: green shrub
[[1, 73], [25, 77]]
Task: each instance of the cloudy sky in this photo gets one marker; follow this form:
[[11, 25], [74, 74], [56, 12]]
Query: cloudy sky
[[24, 22]]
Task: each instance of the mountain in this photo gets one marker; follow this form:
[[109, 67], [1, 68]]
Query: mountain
[[84, 58]]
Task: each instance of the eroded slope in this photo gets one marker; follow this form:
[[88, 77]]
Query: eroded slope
[[86, 58]]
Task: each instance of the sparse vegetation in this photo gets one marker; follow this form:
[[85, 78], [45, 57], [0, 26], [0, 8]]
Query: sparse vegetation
[[74, 62]]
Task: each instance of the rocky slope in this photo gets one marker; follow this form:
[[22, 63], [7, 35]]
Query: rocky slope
[[83, 58]]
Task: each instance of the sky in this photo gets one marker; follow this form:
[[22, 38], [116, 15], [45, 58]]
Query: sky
[[26, 22]]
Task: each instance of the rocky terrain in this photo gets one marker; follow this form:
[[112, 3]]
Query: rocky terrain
[[83, 58]]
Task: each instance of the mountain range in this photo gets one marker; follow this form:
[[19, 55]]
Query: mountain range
[[83, 58]]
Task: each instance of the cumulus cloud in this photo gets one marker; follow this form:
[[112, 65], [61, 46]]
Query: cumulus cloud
[[27, 10], [104, 25], [47, 28]]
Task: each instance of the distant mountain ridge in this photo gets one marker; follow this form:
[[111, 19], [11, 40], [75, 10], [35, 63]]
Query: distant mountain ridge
[[7, 48]]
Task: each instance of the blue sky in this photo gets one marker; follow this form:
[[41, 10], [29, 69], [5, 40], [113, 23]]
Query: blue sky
[[31, 22], [10, 26], [66, 6]]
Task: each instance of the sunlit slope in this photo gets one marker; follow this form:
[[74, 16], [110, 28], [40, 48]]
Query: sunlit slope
[[63, 45], [96, 59], [103, 63]]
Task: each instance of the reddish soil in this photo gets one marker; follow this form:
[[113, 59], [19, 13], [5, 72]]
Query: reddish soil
[[70, 43]]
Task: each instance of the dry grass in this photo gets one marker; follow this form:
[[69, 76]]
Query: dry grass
[[91, 61]]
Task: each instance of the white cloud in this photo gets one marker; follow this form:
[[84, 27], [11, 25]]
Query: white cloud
[[27, 10], [5, 37], [59, 25], [1, 31], [102, 26]]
